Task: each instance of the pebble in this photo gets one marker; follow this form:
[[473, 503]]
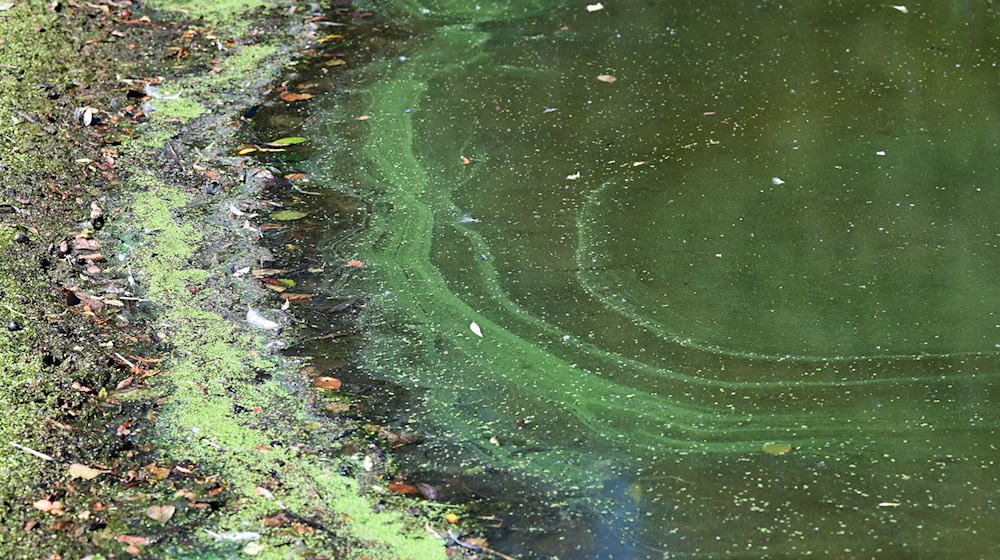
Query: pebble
[[21, 237], [13, 326]]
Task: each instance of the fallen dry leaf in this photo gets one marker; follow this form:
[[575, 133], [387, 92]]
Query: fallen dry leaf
[[323, 382], [160, 513], [337, 407], [76, 470], [607, 78], [289, 96], [403, 488], [55, 508], [86, 244]]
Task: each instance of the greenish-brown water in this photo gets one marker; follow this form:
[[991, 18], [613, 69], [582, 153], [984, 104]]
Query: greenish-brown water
[[735, 301]]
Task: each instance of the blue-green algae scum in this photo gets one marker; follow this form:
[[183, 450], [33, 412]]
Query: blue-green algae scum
[[735, 267]]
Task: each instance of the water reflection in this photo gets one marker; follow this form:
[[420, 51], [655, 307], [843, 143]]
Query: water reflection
[[734, 303]]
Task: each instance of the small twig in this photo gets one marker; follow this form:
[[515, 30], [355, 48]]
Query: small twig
[[122, 358], [26, 116], [12, 310], [476, 548], [177, 158], [38, 454]]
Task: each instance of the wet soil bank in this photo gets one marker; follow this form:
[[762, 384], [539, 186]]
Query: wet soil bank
[[145, 410]]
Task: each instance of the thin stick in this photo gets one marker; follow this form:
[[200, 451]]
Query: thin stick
[[122, 358], [12, 310], [38, 454]]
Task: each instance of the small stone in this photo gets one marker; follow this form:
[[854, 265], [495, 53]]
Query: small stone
[[13, 326], [21, 237]]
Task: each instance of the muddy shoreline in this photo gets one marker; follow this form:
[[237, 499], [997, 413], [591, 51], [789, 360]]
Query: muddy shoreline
[[147, 412]]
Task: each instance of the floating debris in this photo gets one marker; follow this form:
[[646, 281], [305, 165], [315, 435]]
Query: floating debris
[[259, 321]]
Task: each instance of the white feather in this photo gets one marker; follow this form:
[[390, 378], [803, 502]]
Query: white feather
[[259, 321]]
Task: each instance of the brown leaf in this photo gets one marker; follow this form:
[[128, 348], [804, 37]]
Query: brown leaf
[[337, 407], [86, 244], [161, 513], [324, 382], [157, 472], [297, 297], [295, 176], [290, 97], [403, 488], [277, 520]]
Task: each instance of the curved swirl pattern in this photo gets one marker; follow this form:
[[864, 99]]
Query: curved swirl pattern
[[775, 227]]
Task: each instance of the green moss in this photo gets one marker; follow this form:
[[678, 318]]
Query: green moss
[[182, 108], [215, 10], [212, 369]]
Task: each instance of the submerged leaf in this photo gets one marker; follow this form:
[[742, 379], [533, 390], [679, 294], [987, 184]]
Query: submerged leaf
[[403, 488], [776, 448], [288, 215], [607, 78], [324, 382], [288, 141], [290, 97]]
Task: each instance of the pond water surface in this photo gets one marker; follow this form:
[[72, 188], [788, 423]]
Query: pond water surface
[[734, 265]]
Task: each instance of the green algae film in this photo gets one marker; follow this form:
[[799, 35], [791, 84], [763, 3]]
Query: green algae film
[[736, 302]]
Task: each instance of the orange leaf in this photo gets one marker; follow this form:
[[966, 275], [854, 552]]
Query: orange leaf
[[403, 488], [363, 118], [355, 264], [289, 96], [327, 383]]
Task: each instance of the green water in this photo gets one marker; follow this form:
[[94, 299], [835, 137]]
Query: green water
[[807, 257]]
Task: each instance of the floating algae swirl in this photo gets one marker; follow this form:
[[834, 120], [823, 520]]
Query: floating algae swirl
[[782, 231]]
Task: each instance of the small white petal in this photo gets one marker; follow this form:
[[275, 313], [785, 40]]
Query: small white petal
[[475, 329], [777, 181], [901, 9]]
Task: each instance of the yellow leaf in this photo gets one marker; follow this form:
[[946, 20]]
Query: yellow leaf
[[76, 470], [336, 62], [330, 38], [451, 518], [776, 448]]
